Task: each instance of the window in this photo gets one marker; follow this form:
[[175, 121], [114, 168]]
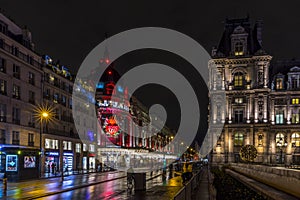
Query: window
[[260, 77], [238, 100], [16, 92], [2, 136], [280, 101], [295, 101], [3, 86], [55, 97], [69, 145], [260, 139], [279, 83], [238, 79], [239, 49], [84, 147], [16, 138], [280, 140], [295, 140], [2, 65], [2, 112], [279, 116], [31, 78], [31, 97], [294, 83], [238, 139], [16, 71], [63, 100], [16, 115], [295, 116], [78, 148], [47, 93], [92, 148], [30, 139], [238, 116], [51, 144], [70, 103]]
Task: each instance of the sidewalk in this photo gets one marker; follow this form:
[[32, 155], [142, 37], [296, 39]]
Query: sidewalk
[[202, 191]]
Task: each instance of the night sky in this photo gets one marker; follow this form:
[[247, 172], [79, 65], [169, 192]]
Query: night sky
[[69, 30]]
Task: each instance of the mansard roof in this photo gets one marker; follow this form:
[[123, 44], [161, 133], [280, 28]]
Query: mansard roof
[[239, 26]]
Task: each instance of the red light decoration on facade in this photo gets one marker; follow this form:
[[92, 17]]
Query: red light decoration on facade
[[111, 128], [109, 72]]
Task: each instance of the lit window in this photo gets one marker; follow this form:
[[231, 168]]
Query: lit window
[[69, 145], [295, 101], [238, 100], [295, 116], [279, 83], [238, 49], [238, 139], [279, 116], [280, 140], [47, 143], [84, 147], [295, 140], [78, 148], [65, 145], [238, 79], [92, 148]]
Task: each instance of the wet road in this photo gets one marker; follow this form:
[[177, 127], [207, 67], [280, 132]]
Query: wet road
[[116, 189], [36, 188]]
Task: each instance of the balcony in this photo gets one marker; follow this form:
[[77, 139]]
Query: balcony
[[16, 96], [31, 124], [31, 144], [2, 140], [3, 92], [31, 81], [16, 75], [26, 58], [16, 142], [32, 101], [16, 121]]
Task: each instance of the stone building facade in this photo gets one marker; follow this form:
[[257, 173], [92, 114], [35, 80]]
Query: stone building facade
[[262, 98]]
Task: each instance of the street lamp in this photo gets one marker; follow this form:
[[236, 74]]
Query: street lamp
[[43, 113]]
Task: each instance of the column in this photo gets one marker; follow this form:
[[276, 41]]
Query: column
[[265, 108], [229, 110], [256, 110], [248, 109], [288, 110], [266, 75]]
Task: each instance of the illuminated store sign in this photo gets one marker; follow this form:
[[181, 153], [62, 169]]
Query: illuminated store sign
[[113, 104], [11, 163]]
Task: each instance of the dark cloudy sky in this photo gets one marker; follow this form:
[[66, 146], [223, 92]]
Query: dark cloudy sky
[[68, 30]]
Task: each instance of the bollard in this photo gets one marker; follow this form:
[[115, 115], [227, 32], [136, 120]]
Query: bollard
[[4, 183]]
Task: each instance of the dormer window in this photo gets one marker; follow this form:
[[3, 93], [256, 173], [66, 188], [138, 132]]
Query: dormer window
[[279, 83], [238, 49]]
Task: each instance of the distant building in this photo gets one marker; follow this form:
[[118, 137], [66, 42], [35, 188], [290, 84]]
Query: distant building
[[262, 101]]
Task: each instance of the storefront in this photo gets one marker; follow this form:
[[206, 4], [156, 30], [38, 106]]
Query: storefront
[[92, 161], [68, 161], [51, 161], [19, 163]]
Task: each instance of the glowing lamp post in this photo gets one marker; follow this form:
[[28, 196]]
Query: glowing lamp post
[[43, 113]]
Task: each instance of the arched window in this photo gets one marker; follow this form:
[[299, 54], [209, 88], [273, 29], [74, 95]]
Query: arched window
[[295, 140], [238, 79], [238, 139], [280, 140]]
